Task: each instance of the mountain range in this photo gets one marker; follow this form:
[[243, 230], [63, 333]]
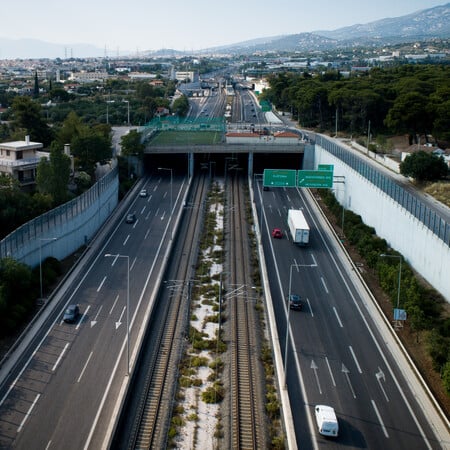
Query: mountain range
[[422, 25]]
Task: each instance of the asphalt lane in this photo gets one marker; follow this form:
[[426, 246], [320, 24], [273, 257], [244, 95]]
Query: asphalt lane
[[339, 356], [77, 370]]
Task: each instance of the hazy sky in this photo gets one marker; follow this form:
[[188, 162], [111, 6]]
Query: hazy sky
[[137, 25]]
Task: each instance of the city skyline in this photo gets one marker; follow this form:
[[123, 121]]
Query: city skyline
[[137, 26]]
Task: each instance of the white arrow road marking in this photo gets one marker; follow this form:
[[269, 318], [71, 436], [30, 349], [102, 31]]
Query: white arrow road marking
[[381, 377], [314, 367], [119, 322], [94, 322], [346, 372]]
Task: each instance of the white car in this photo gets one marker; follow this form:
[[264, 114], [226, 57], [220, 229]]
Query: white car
[[143, 193]]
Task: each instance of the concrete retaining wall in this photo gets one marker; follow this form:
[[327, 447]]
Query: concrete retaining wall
[[421, 248]]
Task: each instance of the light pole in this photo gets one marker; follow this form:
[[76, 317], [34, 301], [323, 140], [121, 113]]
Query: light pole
[[171, 201], [107, 255], [384, 255], [40, 260], [287, 316]]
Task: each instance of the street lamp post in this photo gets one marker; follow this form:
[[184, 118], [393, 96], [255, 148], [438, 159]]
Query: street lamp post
[[40, 260], [384, 255], [171, 199], [128, 304], [287, 316]]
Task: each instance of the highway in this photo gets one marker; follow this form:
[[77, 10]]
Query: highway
[[335, 355], [63, 392]]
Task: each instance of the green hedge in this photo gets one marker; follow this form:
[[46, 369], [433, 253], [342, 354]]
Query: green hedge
[[423, 305]]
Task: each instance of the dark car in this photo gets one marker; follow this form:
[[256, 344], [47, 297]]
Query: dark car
[[277, 233], [295, 302], [131, 218], [71, 314]]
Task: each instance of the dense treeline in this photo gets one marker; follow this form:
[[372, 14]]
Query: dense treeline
[[424, 306], [409, 99]]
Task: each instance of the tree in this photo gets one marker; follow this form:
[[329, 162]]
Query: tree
[[16, 294], [409, 115], [36, 86], [181, 106], [131, 144], [446, 376], [53, 174], [72, 127], [89, 149], [27, 116], [424, 166]]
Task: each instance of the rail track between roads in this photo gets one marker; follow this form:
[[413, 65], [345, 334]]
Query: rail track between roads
[[144, 422], [247, 398], [146, 417]]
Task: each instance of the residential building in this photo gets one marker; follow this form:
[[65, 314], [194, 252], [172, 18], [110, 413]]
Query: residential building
[[19, 160]]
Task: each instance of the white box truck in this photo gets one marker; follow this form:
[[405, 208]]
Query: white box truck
[[298, 227], [326, 420]]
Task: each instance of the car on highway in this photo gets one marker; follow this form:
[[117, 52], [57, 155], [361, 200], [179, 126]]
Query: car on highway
[[143, 193], [71, 314], [277, 233], [295, 302], [131, 218]]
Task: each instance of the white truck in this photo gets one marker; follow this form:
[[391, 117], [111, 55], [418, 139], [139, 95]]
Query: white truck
[[298, 227]]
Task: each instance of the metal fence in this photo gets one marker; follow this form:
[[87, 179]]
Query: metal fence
[[431, 219], [38, 227]]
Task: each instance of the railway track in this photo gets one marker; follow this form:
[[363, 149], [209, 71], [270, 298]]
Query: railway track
[[247, 405], [152, 418], [152, 412]]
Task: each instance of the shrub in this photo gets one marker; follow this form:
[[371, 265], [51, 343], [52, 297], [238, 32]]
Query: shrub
[[214, 393]]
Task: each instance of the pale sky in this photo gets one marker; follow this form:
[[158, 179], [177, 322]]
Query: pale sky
[[138, 25]]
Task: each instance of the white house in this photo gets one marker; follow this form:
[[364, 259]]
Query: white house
[[19, 160]]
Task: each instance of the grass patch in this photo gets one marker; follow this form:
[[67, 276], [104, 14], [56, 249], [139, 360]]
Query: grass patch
[[440, 191]]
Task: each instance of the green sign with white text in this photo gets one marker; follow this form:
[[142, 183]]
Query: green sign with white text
[[315, 178], [279, 178]]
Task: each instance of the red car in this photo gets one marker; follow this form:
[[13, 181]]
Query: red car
[[277, 233]]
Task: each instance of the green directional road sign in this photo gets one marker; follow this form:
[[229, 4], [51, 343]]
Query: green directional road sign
[[315, 178], [326, 167], [279, 178]]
